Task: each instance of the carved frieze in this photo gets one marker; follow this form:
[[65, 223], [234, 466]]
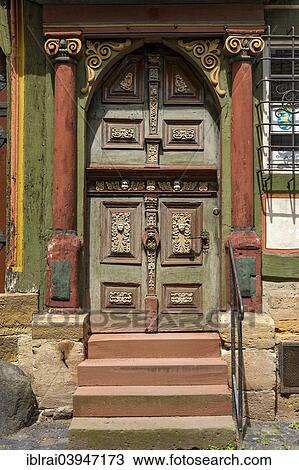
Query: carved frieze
[[153, 112], [207, 53], [184, 135], [125, 185], [122, 133], [181, 233], [151, 241], [96, 54]]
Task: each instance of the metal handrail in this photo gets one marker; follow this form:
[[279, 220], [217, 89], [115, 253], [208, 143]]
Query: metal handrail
[[236, 307]]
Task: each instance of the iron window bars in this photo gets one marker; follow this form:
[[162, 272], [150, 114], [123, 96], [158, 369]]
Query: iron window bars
[[278, 110]]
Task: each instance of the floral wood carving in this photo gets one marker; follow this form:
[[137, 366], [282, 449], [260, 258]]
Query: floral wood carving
[[120, 297], [123, 133], [127, 83], [120, 232], [208, 52], [96, 53], [181, 233], [181, 298], [183, 134], [180, 85]]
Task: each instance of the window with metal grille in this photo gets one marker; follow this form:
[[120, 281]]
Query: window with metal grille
[[278, 110]]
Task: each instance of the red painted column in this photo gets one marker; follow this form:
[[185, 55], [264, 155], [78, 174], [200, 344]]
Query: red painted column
[[242, 144], [245, 242], [65, 148], [64, 246]]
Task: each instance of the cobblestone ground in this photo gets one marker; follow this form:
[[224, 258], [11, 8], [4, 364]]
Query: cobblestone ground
[[53, 435]]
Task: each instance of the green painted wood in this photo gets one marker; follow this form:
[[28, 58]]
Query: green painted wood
[[246, 269], [61, 280], [280, 266]]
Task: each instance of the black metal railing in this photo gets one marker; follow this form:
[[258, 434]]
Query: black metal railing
[[237, 364]]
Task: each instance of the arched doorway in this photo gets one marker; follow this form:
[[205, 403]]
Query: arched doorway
[[152, 182]]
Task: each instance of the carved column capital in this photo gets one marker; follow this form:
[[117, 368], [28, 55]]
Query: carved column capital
[[243, 45], [63, 49]]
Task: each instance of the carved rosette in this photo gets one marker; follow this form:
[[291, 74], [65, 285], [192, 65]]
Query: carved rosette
[[96, 54], [207, 52], [245, 46], [63, 48]]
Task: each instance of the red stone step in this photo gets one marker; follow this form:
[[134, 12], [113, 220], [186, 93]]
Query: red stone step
[[195, 400], [124, 345], [153, 371]]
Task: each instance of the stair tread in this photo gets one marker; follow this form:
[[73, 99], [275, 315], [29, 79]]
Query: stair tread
[[161, 361], [166, 390], [153, 423], [152, 337]]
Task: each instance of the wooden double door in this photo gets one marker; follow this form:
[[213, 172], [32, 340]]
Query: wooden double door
[[152, 181]]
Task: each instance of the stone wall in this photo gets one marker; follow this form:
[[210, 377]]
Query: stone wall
[[47, 347], [262, 334], [259, 363], [281, 303]]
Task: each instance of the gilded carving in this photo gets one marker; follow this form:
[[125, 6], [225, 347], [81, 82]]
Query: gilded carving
[[249, 45], [153, 92], [127, 83], [151, 241], [189, 185], [150, 185], [180, 86], [126, 133], [123, 185], [121, 297], [181, 233], [208, 52], [96, 53], [153, 153], [181, 298], [165, 185], [69, 47], [120, 232], [183, 134]]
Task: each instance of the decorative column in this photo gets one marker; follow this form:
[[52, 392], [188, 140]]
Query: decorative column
[[245, 242], [63, 248]]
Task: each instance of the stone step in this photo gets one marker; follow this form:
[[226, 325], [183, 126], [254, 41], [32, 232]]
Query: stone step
[[105, 346], [195, 400], [169, 432], [153, 371]]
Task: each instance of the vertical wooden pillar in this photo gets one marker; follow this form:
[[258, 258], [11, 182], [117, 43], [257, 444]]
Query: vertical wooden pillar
[[3, 125], [245, 242], [63, 248]]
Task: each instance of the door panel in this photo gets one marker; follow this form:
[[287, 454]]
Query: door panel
[[153, 152]]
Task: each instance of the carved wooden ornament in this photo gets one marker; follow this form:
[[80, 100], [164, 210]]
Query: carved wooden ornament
[[208, 52]]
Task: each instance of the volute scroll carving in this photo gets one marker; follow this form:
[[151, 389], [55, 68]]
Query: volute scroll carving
[[96, 53], [244, 45], [208, 53], [63, 48]]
